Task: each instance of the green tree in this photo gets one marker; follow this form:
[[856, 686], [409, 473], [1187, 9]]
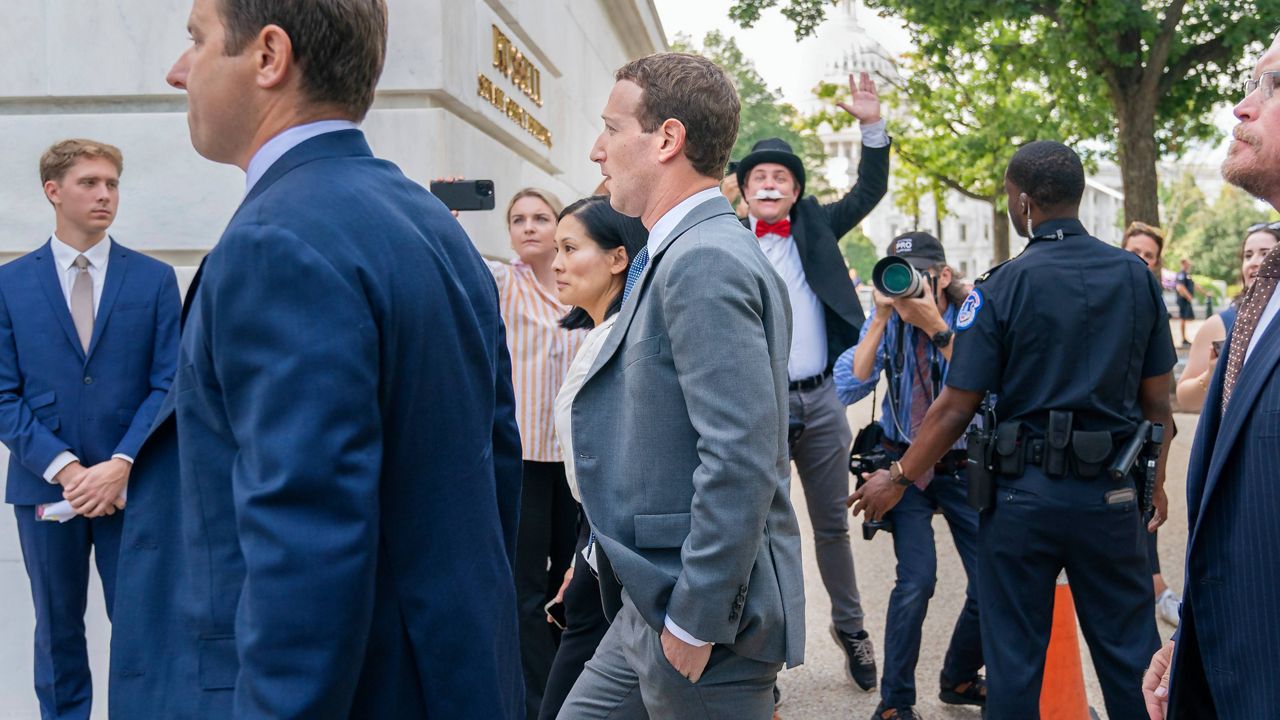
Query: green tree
[[1181, 200], [912, 186], [859, 253], [959, 122], [1214, 233], [764, 114], [1159, 68]]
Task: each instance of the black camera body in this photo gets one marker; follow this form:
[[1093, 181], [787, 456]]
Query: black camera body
[[870, 462]]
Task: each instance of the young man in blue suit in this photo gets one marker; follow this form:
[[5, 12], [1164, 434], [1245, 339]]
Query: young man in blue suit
[[1223, 655], [88, 345], [347, 453]]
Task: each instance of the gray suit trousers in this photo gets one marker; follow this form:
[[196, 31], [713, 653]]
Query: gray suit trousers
[[629, 678], [822, 461]]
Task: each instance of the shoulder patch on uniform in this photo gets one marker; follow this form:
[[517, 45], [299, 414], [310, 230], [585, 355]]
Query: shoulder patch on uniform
[[969, 310]]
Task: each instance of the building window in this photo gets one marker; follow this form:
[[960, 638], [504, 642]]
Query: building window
[[964, 232]]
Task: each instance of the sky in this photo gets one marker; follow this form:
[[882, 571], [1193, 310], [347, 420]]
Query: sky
[[782, 61], [789, 65]]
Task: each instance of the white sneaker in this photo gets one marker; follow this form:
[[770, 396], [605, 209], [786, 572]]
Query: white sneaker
[[1167, 607]]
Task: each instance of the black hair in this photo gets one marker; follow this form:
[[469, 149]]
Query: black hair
[[1049, 172], [609, 229]]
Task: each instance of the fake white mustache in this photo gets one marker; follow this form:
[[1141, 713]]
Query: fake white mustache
[[768, 195]]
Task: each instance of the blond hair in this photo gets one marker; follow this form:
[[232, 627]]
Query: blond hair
[[58, 159], [545, 196]]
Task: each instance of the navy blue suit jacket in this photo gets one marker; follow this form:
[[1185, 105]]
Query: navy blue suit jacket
[[55, 397], [1231, 594], [339, 536]]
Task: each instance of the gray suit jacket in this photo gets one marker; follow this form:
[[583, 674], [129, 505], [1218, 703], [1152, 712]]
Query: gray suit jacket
[[679, 438]]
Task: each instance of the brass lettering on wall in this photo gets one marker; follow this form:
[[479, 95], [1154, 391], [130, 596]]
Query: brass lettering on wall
[[512, 109], [515, 66]]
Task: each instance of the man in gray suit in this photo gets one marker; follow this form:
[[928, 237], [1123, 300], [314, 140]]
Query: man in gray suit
[[680, 428]]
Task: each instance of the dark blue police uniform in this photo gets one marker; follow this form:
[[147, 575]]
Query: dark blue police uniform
[[1072, 324]]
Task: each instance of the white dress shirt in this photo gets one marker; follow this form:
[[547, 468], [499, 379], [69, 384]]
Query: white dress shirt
[[658, 235], [275, 148], [874, 135], [808, 318], [64, 259], [573, 382], [808, 321], [1268, 314], [671, 218]]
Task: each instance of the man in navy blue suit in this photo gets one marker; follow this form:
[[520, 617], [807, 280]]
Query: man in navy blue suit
[[1223, 656], [347, 454], [88, 345]]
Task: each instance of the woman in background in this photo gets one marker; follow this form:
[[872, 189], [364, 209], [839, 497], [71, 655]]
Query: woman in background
[[1147, 242], [1193, 386], [595, 246], [540, 353]]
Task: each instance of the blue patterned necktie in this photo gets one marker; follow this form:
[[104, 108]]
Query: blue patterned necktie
[[637, 267]]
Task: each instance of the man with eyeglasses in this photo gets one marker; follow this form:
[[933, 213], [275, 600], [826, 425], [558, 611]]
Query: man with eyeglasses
[[1221, 662]]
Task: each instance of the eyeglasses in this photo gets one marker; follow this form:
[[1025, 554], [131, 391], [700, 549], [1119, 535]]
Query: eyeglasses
[[1263, 226], [1267, 81]]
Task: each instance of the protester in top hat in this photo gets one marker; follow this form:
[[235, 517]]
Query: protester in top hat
[[909, 338], [799, 235]]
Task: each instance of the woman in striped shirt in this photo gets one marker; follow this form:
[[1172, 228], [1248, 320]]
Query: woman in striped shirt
[[541, 351]]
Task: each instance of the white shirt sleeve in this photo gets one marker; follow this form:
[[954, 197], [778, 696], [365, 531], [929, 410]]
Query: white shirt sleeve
[[62, 460], [680, 633], [874, 135]]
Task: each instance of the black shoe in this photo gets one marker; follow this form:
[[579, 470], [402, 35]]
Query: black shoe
[[777, 697], [974, 692], [906, 713], [862, 656]]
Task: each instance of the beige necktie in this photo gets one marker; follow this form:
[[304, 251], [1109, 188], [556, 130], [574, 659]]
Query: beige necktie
[[82, 302]]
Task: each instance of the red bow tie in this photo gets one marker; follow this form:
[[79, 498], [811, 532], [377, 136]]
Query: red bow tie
[[782, 228]]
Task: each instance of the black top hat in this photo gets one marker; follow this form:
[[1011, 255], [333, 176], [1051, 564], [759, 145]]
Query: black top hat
[[920, 249], [770, 150]]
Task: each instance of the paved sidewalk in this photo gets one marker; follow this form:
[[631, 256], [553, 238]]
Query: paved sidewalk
[[816, 691]]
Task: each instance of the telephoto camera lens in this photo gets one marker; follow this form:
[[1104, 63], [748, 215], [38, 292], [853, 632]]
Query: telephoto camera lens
[[894, 277]]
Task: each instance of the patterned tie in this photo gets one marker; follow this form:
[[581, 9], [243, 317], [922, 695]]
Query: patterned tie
[[637, 267], [1255, 301], [82, 301], [921, 392]]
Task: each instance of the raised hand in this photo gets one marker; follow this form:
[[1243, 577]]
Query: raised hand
[[864, 101]]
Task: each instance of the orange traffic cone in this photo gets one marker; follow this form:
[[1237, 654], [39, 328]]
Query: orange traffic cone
[[1063, 697]]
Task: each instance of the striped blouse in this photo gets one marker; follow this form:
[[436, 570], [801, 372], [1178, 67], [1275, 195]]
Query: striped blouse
[[541, 352]]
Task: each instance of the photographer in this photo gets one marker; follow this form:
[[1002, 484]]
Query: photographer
[[909, 339]]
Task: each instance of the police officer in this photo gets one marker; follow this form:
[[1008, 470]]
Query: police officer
[[1073, 338], [909, 339]]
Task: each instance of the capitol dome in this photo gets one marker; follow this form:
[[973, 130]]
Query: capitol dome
[[846, 47]]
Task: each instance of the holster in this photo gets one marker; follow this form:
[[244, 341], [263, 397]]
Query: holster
[[1057, 440], [1010, 457], [1090, 451], [982, 483]]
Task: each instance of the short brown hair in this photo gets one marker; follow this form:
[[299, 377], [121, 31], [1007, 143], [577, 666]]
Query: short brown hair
[[545, 196], [58, 159], [697, 93], [339, 45], [1141, 228]]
